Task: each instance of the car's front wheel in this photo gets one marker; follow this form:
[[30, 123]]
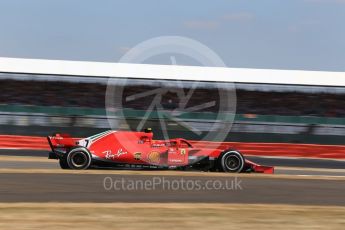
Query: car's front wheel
[[231, 161]]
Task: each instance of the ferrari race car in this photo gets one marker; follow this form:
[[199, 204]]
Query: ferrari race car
[[139, 150]]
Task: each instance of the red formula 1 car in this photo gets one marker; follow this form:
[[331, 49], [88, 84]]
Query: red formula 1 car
[[139, 150]]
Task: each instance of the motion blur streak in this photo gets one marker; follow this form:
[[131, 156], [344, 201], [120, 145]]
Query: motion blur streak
[[255, 149]]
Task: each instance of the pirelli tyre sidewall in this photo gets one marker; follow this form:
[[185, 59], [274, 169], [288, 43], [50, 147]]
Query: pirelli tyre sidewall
[[63, 163], [78, 158], [231, 161]]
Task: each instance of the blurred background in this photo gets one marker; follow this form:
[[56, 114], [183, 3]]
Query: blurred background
[[296, 34], [41, 105]]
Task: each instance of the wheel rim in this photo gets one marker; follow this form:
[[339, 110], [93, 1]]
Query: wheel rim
[[233, 162], [79, 159]]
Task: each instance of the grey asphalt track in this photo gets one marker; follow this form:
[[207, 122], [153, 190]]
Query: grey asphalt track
[[55, 187], [62, 186], [31, 153]]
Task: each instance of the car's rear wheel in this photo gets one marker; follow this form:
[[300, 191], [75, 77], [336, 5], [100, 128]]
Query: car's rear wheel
[[78, 158], [231, 161], [63, 163]]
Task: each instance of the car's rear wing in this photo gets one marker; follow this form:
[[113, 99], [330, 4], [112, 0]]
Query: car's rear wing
[[59, 144], [61, 141]]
